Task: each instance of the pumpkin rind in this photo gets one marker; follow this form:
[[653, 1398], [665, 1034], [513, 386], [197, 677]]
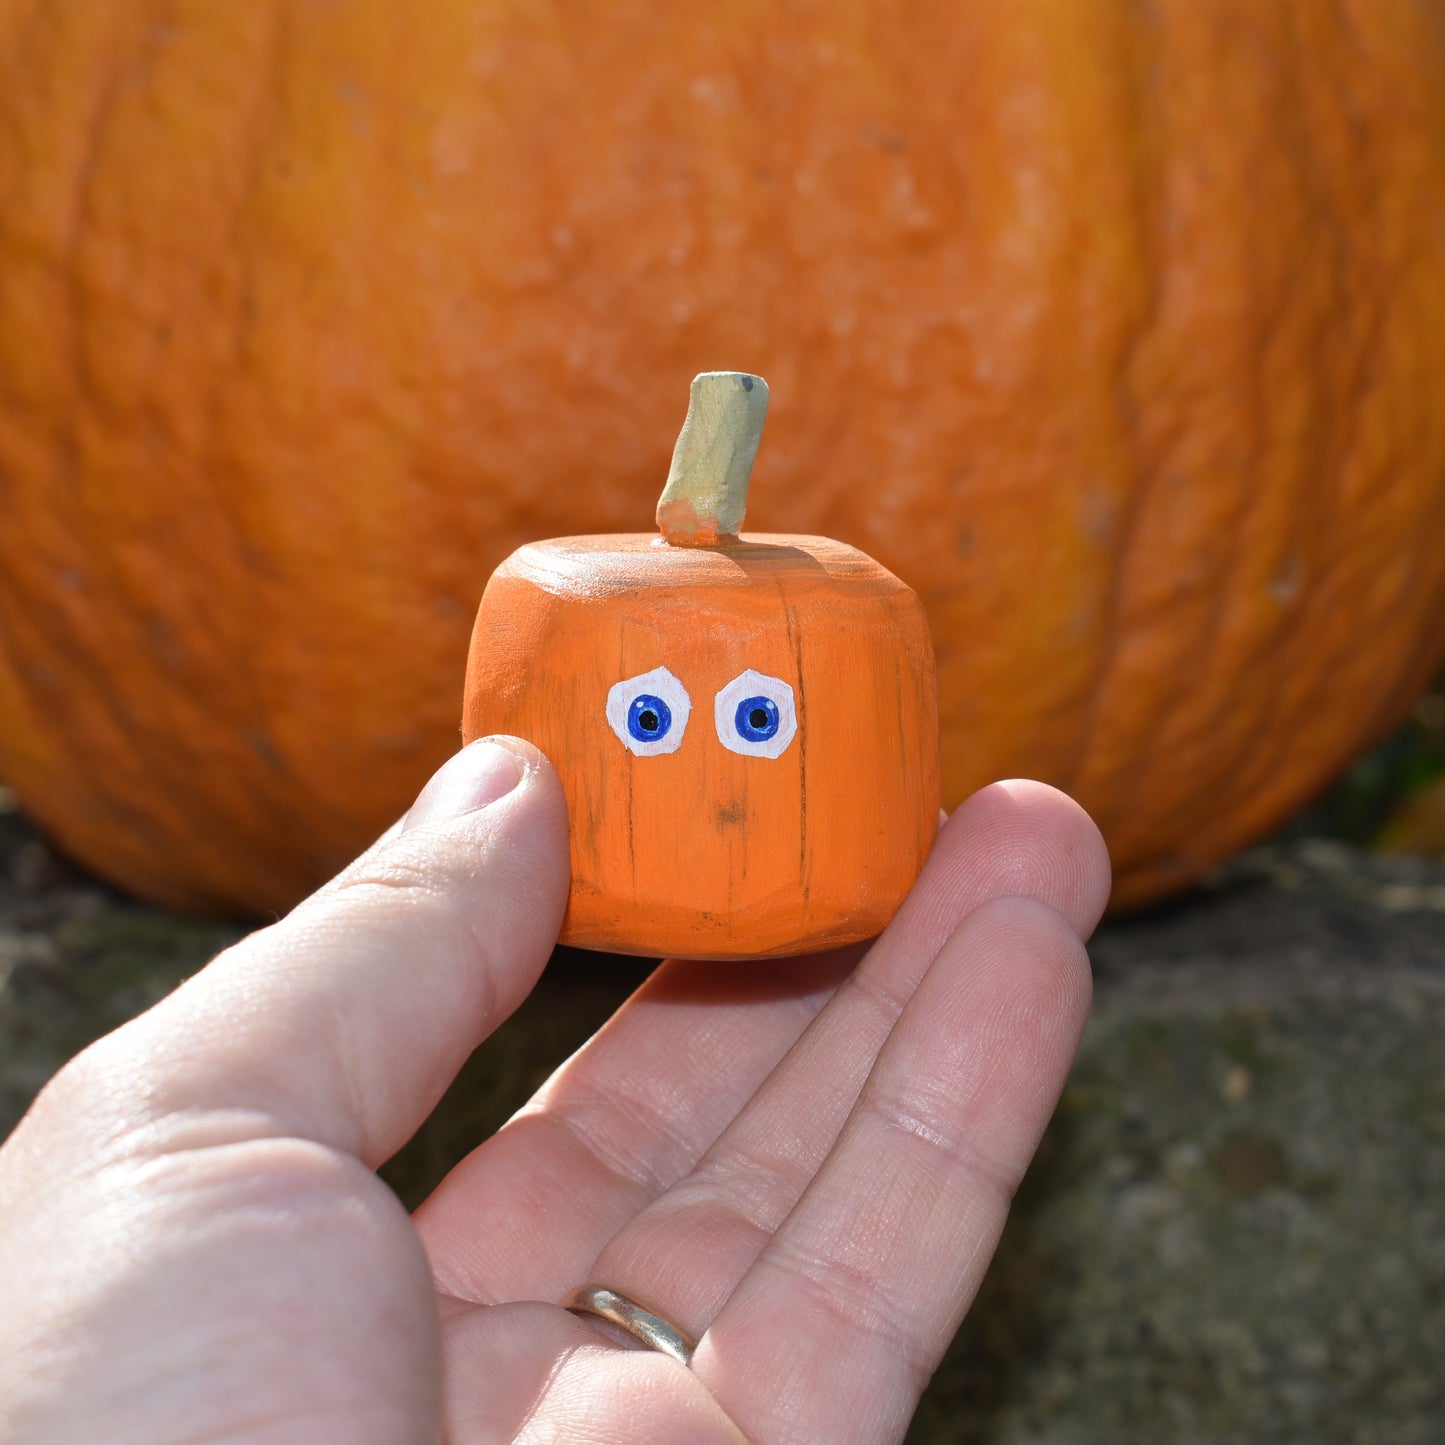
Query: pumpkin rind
[[1115, 331]]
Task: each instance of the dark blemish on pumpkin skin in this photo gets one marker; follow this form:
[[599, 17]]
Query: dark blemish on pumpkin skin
[[164, 645], [729, 814], [747, 383], [266, 750]]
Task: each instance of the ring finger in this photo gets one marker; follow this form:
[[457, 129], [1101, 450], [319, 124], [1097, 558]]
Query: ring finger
[[684, 1254]]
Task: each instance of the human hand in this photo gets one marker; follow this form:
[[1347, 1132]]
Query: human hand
[[806, 1167]]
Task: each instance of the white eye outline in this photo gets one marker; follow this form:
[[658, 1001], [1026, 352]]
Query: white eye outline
[[662, 685], [755, 684]]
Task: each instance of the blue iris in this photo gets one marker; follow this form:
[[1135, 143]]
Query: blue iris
[[757, 719], [649, 718]]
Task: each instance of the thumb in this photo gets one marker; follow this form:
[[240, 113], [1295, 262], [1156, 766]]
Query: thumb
[[345, 1022]]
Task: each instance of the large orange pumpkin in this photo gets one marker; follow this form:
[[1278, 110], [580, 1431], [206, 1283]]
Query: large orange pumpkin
[[311, 313]]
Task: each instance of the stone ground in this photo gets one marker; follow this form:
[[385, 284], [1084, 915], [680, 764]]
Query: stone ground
[[1235, 1230]]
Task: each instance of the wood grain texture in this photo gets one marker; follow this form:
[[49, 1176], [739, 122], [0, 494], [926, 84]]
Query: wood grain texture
[[706, 495], [703, 851]]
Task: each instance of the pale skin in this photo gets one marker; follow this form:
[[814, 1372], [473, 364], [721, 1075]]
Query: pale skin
[[806, 1166]]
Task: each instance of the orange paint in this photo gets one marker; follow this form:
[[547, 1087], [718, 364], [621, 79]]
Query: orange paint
[[706, 850]]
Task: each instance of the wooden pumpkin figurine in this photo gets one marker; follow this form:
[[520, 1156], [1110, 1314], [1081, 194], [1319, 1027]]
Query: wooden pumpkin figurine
[[746, 728]]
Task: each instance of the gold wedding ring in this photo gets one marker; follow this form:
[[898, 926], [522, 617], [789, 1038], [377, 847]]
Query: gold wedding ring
[[630, 1317]]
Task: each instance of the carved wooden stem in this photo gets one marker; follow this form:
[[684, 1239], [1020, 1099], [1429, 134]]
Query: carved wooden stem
[[707, 486]]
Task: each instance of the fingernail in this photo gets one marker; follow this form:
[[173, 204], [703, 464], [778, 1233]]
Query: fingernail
[[480, 774]]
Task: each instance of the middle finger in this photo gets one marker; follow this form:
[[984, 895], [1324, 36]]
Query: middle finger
[[524, 1214]]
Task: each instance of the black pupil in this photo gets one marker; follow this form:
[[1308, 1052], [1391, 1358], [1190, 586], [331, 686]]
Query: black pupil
[[649, 720], [758, 718]]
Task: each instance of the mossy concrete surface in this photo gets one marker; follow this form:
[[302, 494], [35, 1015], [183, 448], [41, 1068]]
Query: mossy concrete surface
[[1235, 1229], [1234, 1232]]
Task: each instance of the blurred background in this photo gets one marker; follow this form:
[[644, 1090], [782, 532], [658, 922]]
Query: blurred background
[[1116, 330]]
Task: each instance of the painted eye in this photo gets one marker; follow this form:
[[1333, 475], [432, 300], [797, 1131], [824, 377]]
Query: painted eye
[[649, 712], [755, 715]]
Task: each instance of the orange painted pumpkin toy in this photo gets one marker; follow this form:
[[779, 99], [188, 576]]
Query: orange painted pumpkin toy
[[746, 727]]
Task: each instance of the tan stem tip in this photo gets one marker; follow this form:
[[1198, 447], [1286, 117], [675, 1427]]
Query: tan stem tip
[[707, 487]]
